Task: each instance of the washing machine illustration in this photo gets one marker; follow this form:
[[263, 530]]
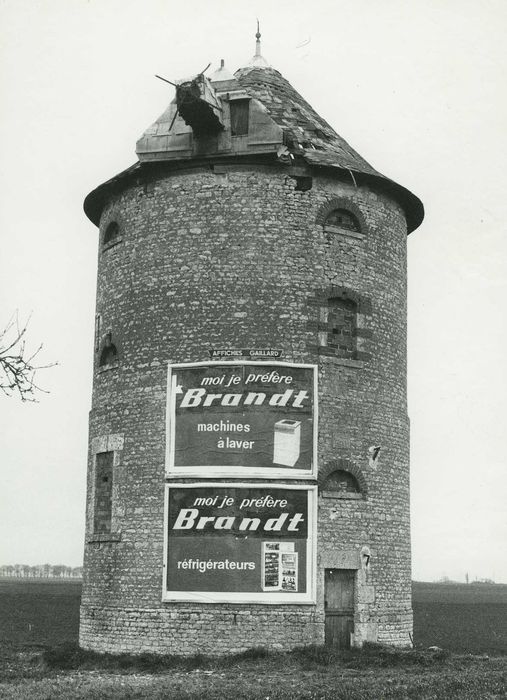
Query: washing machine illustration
[[287, 443]]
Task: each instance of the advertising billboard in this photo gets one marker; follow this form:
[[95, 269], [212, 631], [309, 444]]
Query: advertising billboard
[[235, 418], [229, 542]]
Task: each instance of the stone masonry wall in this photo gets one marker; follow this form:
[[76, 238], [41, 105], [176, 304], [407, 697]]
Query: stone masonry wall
[[233, 257]]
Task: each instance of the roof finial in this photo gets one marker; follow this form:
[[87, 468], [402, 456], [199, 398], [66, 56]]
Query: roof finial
[[257, 61], [258, 41]]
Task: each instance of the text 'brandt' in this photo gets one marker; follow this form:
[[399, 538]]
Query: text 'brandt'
[[190, 519], [198, 397]]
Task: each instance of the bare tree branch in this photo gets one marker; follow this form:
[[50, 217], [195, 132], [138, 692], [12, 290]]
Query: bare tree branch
[[17, 366]]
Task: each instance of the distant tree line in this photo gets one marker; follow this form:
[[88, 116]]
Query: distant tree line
[[446, 579], [41, 571]]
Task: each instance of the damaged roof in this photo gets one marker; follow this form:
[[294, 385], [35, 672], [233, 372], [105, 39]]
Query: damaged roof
[[316, 141], [299, 120], [295, 125]]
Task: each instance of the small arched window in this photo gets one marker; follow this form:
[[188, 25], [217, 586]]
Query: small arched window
[[341, 484], [112, 233], [342, 218], [109, 353]]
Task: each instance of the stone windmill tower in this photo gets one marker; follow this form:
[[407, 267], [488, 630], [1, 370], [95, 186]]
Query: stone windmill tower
[[248, 474]]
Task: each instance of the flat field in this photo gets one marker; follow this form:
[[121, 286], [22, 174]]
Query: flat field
[[39, 611], [468, 622], [462, 618]]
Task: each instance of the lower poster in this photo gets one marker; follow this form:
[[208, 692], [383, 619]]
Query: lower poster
[[240, 543]]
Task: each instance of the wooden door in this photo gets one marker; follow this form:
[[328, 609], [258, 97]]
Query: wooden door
[[339, 606]]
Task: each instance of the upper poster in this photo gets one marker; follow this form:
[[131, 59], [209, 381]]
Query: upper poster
[[236, 418]]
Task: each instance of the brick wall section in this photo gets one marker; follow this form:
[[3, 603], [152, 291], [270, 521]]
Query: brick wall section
[[232, 259]]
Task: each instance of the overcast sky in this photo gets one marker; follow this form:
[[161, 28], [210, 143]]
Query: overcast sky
[[417, 87]]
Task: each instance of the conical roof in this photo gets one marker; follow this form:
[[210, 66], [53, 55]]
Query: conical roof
[[307, 136], [317, 142], [298, 119]]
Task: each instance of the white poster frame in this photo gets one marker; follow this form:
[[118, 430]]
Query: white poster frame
[[276, 598], [234, 471]]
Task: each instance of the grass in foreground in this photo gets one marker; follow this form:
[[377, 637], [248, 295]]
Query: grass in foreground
[[316, 673], [71, 657]]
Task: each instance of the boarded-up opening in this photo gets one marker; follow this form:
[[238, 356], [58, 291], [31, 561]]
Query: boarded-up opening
[[103, 492], [239, 117], [339, 606], [342, 326]]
